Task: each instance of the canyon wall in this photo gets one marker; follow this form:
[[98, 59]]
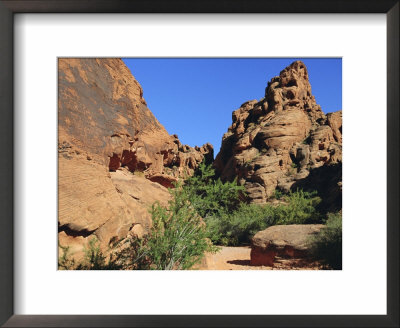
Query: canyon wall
[[114, 158]]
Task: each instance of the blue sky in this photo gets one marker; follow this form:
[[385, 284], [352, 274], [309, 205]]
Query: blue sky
[[195, 97]]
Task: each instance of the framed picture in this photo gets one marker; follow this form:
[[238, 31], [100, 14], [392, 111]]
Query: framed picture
[[59, 58]]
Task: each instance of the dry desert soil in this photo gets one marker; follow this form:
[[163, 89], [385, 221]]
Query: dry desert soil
[[238, 258]]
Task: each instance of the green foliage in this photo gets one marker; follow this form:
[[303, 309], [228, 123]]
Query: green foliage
[[202, 211], [327, 245], [278, 194], [133, 253], [293, 165], [177, 240], [65, 262], [210, 196], [231, 222], [94, 259], [300, 208], [239, 226], [232, 229]]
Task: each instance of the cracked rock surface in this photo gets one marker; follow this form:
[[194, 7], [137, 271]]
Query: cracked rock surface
[[114, 157], [279, 141]]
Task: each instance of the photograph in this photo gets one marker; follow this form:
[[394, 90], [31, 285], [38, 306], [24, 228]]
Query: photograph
[[204, 139], [199, 163]]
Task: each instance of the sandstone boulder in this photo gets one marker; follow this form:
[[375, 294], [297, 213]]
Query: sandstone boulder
[[283, 241]]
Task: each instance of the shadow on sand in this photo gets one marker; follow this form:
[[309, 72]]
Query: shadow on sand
[[239, 262]]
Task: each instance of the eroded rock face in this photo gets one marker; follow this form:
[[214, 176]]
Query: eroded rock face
[[282, 240], [115, 158], [103, 114], [278, 140]]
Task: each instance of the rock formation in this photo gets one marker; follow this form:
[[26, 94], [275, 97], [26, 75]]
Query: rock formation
[[281, 240], [115, 158], [276, 142]]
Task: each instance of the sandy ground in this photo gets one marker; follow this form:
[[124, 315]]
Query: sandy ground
[[238, 258]]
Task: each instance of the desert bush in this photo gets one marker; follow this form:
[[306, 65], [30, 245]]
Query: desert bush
[[278, 194], [65, 262], [177, 240], [202, 211], [94, 258], [239, 226], [210, 196], [326, 246], [300, 208], [232, 229]]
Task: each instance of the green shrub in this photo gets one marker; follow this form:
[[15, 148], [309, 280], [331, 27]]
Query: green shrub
[[278, 194], [239, 226], [326, 246], [179, 237], [300, 208], [94, 259], [65, 262], [210, 196], [177, 240]]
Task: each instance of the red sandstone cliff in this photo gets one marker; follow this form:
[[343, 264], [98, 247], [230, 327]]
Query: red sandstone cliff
[[115, 158]]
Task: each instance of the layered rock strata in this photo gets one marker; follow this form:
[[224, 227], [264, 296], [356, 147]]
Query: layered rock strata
[[114, 157], [275, 142]]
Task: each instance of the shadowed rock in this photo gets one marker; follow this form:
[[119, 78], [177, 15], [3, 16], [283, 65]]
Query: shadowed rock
[[282, 240]]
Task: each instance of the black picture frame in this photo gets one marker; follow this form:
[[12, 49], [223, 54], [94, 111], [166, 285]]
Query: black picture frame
[[7, 10]]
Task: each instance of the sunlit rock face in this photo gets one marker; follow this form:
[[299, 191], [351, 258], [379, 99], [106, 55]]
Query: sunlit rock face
[[284, 141], [114, 157]]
